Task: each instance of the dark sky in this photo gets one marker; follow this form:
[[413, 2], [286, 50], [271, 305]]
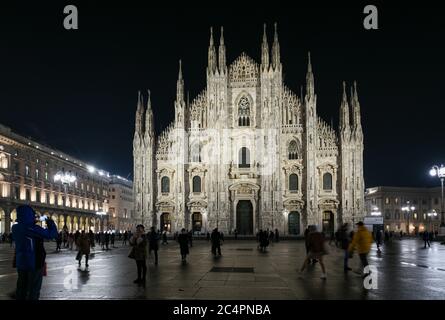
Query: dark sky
[[77, 90]]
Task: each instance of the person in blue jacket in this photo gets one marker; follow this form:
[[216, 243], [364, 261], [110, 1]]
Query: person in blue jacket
[[30, 251]]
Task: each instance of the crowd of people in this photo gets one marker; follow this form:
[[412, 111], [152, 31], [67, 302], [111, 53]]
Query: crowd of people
[[30, 253]]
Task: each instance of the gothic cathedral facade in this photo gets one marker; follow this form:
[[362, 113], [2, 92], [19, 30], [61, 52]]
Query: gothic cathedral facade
[[248, 154]]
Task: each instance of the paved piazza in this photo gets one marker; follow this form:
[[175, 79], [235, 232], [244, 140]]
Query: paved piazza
[[405, 271]]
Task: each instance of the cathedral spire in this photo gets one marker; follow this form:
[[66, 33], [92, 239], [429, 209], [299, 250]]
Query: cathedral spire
[[180, 85], [356, 119], [139, 114], [149, 115], [265, 51], [310, 78], [222, 53], [212, 54], [344, 111], [276, 50]]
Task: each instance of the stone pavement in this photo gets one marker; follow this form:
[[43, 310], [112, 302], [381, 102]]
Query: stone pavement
[[405, 271]]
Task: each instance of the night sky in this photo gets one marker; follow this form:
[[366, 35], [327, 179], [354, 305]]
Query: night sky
[[76, 90]]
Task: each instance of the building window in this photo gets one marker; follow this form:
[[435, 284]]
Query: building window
[[46, 163], [327, 181], [387, 214], [38, 199], [415, 216], [88, 187], [37, 174], [387, 201], [3, 161], [16, 167], [46, 175], [113, 197], [424, 202], [113, 189], [28, 195], [293, 183], [436, 201], [27, 170], [81, 186], [293, 150], [244, 112], [244, 158], [196, 184], [396, 200], [397, 215], [165, 185], [47, 198], [37, 160]]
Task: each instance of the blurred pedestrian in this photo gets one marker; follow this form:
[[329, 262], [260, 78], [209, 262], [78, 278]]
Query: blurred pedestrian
[[378, 239], [316, 246], [361, 242], [83, 244], [59, 241], [216, 241], [344, 243], [139, 252], [426, 239], [153, 243], [164, 237], [183, 244], [277, 236]]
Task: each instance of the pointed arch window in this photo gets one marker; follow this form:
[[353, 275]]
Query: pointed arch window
[[293, 183], [327, 182], [196, 184], [292, 149], [165, 185], [244, 112], [244, 158]]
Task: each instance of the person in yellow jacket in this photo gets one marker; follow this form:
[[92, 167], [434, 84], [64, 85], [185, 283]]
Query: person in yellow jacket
[[361, 241]]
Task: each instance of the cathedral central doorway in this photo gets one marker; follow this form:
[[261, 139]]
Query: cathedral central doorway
[[294, 223], [244, 217], [328, 223], [165, 222]]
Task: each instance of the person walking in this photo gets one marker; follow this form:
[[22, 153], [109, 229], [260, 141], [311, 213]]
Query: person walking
[[361, 242], [378, 240], [59, 242], [91, 237], [112, 238], [30, 252], [153, 243], [70, 240], [83, 244], [190, 235], [344, 243], [277, 236], [426, 239], [102, 240], [76, 236], [183, 241], [107, 240], [139, 252], [316, 246], [216, 241], [164, 237], [235, 232], [125, 238]]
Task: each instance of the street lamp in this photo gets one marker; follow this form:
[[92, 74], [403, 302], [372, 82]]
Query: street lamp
[[408, 209], [440, 173], [66, 178], [432, 214], [285, 213]]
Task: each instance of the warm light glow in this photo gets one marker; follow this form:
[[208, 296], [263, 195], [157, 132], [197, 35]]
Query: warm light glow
[[91, 169]]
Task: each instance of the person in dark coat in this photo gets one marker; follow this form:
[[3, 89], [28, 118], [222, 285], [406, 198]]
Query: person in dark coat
[[139, 252], [124, 243], [59, 242], [216, 241], [30, 252], [83, 243], [183, 241], [153, 243], [426, 239], [264, 240], [190, 235], [277, 236], [378, 239], [164, 237], [344, 243], [107, 240], [112, 238], [91, 237]]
